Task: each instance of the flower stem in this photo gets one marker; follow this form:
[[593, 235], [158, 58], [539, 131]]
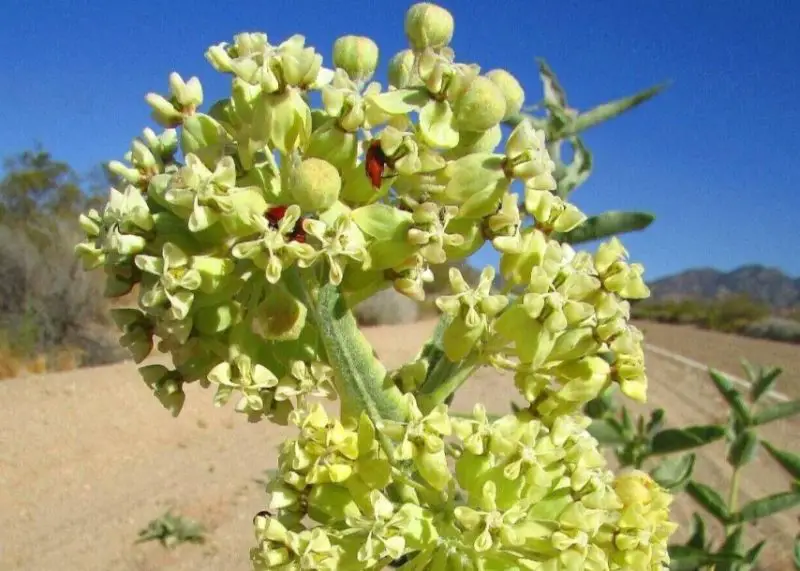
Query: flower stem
[[733, 497], [438, 394]]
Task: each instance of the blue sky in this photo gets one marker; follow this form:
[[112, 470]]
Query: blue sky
[[715, 157]]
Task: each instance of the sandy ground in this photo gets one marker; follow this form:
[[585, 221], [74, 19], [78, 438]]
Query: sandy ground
[[88, 457]]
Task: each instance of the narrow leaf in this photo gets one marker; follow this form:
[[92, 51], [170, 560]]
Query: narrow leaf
[[709, 499], [606, 224], [788, 460], [732, 546], [673, 473], [731, 395], [607, 111], [656, 421], [753, 371], [606, 433], [685, 558], [764, 507], [754, 552], [777, 412], [698, 538], [575, 173], [797, 553], [766, 380], [554, 94], [679, 439], [743, 449]]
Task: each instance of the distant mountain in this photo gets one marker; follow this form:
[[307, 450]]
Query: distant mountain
[[768, 285]]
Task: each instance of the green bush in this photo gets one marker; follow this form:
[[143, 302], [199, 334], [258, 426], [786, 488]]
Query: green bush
[[775, 328], [388, 307], [46, 301]]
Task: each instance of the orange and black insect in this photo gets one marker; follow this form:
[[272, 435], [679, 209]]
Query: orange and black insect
[[375, 162], [275, 215]]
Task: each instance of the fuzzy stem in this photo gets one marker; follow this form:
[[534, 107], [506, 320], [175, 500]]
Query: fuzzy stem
[[427, 401]]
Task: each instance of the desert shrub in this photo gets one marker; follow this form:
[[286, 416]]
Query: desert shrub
[[734, 313], [48, 305], [775, 328], [388, 307], [730, 314]]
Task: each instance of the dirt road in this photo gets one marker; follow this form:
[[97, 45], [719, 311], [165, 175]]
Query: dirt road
[[88, 457]]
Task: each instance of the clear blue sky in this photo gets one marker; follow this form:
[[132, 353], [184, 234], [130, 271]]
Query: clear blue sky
[[715, 157]]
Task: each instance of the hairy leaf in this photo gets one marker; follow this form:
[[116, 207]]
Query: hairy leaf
[[606, 111], [606, 432], [673, 473], [764, 507], [788, 460], [743, 449], [679, 439], [684, 558], [707, 497], [731, 395], [777, 412], [764, 382], [606, 224]]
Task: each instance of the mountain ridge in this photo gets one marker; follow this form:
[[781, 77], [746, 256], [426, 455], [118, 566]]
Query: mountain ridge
[[762, 283]]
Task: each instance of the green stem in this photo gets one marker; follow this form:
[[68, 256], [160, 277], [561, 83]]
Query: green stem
[[427, 401], [359, 377], [733, 496]]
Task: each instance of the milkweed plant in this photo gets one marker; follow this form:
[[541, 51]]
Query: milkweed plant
[[251, 251]]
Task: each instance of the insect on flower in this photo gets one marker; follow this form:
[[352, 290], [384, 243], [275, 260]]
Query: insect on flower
[[375, 163], [276, 214]]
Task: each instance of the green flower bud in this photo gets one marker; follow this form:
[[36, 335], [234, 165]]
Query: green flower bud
[[164, 112], [512, 91], [315, 185], [481, 106], [401, 69], [357, 55], [428, 26]]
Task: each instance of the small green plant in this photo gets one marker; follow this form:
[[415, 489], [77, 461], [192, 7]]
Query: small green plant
[[171, 530], [646, 443], [255, 232]]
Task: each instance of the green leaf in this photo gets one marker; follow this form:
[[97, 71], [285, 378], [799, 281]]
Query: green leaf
[[754, 552], [439, 366], [709, 499], [788, 460], [770, 505], [382, 222], [753, 371], [684, 558], [606, 433], [732, 546], [776, 412], [765, 381], [731, 395], [606, 111], [743, 449], [679, 439], [554, 94], [698, 538], [673, 473], [576, 172], [656, 422], [604, 225], [797, 553]]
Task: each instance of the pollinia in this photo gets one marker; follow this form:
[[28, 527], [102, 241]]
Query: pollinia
[[251, 231]]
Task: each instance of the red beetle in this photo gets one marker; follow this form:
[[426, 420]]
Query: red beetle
[[375, 162], [276, 214]]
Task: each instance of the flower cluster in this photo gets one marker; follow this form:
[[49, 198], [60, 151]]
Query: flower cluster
[[233, 226], [522, 495]]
